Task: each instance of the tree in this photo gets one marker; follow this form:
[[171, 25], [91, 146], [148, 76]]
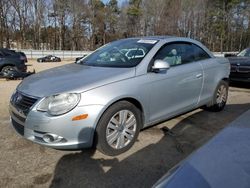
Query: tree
[[223, 25], [134, 13]]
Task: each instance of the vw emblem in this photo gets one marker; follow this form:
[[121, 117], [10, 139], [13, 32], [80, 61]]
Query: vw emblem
[[17, 98]]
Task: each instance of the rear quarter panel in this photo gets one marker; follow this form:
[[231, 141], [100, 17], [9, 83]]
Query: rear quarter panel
[[214, 70]]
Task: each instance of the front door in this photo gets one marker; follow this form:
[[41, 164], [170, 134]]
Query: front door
[[178, 89]]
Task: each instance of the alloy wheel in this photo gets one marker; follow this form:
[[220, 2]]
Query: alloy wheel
[[221, 96], [121, 129]]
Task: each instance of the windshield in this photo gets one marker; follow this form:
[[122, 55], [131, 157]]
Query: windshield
[[245, 53], [122, 53]]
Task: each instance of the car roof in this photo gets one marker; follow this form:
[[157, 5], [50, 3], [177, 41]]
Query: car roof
[[158, 37], [165, 38]]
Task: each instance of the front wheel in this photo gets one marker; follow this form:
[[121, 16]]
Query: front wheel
[[118, 128], [220, 97]]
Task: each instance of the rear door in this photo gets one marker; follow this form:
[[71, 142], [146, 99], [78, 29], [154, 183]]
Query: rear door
[[178, 89]]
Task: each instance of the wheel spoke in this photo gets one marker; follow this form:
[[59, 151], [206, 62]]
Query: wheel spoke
[[120, 142], [219, 92], [123, 116], [111, 126], [128, 136], [131, 132], [131, 121], [224, 98], [111, 138], [114, 121]]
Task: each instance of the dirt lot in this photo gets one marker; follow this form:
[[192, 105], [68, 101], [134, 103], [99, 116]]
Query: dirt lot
[[24, 164]]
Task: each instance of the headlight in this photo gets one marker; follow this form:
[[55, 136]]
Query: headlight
[[59, 104]]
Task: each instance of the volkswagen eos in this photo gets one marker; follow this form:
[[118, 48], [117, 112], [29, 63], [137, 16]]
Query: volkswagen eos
[[106, 98]]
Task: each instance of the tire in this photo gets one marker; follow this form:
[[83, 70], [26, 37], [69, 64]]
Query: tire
[[114, 134], [6, 69], [220, 98]]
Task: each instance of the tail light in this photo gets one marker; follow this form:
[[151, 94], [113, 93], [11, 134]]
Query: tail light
[[23, 58]]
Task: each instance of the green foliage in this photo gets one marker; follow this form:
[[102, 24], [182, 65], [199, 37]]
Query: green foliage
[[134, 8]]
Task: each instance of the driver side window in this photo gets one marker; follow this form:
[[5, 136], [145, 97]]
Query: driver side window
[[176, 53], [170, 53]]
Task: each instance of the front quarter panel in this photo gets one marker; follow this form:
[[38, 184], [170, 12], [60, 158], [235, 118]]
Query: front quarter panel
[[108, 94]]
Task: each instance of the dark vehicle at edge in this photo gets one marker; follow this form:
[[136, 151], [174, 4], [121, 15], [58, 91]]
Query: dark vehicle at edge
[[10, 60], [49, 58], [79, 58], [223, 162], [240, 66]]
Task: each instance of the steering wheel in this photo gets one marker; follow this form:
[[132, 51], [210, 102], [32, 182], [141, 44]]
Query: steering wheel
[[124, 58]]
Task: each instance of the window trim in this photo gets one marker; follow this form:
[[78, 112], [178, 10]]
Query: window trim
[[149, 69]]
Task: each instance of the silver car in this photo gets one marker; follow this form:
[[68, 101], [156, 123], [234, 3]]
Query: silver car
[[106, 98]]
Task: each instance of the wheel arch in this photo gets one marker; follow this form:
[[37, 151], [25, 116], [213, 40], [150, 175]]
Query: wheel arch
[[132, 100], [5, 65], [225, 79]]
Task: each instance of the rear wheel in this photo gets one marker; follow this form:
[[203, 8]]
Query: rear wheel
[[118, 128], [220, 97]]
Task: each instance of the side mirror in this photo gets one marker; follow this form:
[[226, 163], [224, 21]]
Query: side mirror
[[160, 65]]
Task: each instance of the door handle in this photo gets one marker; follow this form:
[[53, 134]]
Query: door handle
[[198, 75]]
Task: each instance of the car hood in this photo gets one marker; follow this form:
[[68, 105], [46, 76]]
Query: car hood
[[72, 78], [239, 60]]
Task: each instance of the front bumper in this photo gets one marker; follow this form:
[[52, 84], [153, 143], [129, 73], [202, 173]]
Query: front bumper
[[241, 77], [76, 134], [240, 73], [22, 67]]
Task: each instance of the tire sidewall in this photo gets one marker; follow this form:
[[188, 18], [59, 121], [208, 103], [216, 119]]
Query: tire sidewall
[[100, 136]]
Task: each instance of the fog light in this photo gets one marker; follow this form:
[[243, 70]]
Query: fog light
[[50, 138]]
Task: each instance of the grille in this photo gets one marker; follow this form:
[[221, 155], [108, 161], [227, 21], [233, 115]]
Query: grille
[[18, 127], [244, 69], [233, 68], [240, 75], [22, 119], [23, 102]]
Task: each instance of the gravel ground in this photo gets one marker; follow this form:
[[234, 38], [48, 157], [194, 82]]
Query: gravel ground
[[24, 164]]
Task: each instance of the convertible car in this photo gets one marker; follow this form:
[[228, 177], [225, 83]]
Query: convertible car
[[49, 58], [106, 98], [240, 66]]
